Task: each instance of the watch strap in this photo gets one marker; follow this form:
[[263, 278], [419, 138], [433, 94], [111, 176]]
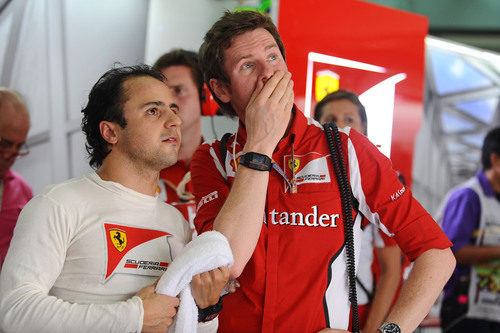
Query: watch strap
[[256, 161], [210, 312], [389, 328]]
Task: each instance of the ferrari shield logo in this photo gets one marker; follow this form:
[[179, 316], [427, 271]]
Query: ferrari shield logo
[[119, 239], [235, 167], [294, 164]]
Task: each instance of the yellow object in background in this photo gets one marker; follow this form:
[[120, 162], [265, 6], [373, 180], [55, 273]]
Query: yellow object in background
[[326, 82]]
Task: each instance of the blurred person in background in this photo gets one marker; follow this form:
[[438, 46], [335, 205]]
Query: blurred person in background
[[14, 191], [184, 78], [379, 253], [471, 219]]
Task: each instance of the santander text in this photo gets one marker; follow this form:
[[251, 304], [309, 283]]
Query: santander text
[[309, 220]]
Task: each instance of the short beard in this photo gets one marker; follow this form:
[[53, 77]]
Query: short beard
[[156, 161]]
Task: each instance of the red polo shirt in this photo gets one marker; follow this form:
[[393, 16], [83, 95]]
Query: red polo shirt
[[296, 279], [16, 193]]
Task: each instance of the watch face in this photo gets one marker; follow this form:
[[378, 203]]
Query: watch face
[[390, 328]]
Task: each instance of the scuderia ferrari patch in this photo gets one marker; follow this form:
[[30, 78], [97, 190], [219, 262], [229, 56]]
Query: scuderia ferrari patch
[[132, 250], [309, 168]]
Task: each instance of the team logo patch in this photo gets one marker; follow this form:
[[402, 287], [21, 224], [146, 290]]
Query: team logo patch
[[207, 198], [231, 162], [121, 239], [398, 193], [309, 168], [293, 164]]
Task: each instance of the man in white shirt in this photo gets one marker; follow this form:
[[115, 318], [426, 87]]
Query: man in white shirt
[[86, 253]]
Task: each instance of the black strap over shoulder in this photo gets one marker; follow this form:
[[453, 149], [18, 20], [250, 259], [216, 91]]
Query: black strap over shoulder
[[335, 147], [223, 148]]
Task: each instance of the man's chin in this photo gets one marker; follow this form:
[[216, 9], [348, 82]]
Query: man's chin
[[4, 168], [169, 161]]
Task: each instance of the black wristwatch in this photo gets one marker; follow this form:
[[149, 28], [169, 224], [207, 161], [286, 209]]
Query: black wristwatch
[[256, 161], [209, 313], [389, 328]]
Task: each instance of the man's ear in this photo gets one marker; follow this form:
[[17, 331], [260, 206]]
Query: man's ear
[[220, 90], [494, 159], [108, 131]]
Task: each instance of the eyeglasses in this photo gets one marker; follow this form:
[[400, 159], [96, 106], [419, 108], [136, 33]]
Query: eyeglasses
[[16, 150]]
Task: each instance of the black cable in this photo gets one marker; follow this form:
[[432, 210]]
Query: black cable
[[335, 148]]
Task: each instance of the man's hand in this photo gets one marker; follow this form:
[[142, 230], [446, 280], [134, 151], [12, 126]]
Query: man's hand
[[207, 287], [332, 330], [267, 115], [231, 285], [159, 310]]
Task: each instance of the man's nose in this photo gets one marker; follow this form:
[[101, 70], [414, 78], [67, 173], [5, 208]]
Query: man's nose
[[267, 71], [173, 120]]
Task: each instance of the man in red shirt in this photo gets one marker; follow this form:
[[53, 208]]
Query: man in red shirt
[[272, 191], [184, 78]]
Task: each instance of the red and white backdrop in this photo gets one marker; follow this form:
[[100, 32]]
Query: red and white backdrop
[[374, 51]]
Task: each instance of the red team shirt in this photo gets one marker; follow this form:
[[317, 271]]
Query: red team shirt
[[295, 280], [167, 185]]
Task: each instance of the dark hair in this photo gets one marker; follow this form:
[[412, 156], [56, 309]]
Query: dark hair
[[491, 145], [338, 95], [106, 100], [179, 57], [220, 37]]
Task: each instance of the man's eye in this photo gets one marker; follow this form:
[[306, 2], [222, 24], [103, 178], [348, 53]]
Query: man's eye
[[153, 112], [174, 108], [349, 120], [247, 66], [273, 57]]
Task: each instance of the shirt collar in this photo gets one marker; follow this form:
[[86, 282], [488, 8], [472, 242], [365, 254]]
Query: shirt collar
[[485, 184], [9, 175]]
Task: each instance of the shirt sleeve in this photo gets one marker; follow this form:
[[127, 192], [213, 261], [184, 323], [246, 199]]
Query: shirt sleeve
[[382, 240], [387, 203], [461, 217], [33, 264], [209, 184]]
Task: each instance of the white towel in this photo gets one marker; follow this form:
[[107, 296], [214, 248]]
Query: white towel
[[205, 252]]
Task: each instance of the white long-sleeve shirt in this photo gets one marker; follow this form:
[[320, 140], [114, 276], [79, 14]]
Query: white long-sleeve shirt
[[81, 250]]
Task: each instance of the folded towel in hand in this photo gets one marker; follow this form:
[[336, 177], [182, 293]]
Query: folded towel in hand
[[205, 252]]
